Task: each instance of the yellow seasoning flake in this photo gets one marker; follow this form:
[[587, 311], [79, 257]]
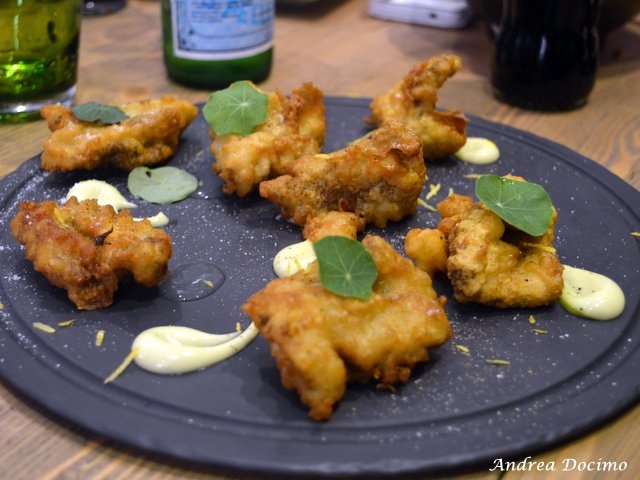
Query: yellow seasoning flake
[[1, 306], [322, 156], [433, 190], [540, 332], [66, 323], [99, 338], [532, 321], [424, 204], [238, 327], [59, 218], [495, 361], [209, 283], [635, 234], [472, 176], [123, 366], [463, 349], [43, 327], [546, 248]]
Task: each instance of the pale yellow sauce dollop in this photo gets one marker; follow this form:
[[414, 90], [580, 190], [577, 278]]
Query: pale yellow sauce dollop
[[158, 220], [478, 151], [102, 192], [106, 194], [591, 295], [174, 350], [293, 258]]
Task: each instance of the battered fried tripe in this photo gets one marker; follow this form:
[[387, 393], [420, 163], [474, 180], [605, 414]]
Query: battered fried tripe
[[148, 137], [413, 102], [487, 260], [295, 126], [378, 178], [87, 249], [344, 224], [321, 340]]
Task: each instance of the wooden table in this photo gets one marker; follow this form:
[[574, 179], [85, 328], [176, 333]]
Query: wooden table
[[345, 52]]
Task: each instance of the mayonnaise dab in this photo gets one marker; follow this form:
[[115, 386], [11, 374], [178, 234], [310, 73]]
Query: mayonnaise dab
[[102, 192], [106, 194], [591, 295], [478, 151], [293, 258], [174, 349]]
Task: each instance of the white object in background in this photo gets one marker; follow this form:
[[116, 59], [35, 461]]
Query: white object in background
[[436, 13]]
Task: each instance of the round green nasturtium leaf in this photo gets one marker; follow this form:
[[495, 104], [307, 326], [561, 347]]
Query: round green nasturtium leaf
[[346, 267], [524, 205], [161, 185], [98, 113], [237, 109]]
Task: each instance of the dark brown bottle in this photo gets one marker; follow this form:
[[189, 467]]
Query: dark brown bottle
[[546, 53]]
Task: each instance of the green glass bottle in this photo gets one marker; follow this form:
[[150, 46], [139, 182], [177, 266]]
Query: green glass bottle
[[212, 44]]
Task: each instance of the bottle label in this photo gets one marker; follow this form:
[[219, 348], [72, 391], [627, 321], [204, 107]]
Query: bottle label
[[221, 29]]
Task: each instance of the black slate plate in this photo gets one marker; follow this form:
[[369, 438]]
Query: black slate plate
[[456, 412]]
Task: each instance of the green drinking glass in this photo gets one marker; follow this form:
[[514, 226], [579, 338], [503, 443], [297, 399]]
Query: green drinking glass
[[38, 56]]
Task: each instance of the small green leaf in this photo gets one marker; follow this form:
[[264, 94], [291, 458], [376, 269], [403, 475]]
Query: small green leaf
[[161, 185], [524, 205], [346, 267], [98, 113], [239, 108]]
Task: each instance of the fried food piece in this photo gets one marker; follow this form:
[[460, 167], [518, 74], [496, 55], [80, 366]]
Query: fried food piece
[[487, 260], [148, 137], [428, 248], [413, 102], [295, 126], [321, 341], [378, 178], [344, 224], [87, 249]]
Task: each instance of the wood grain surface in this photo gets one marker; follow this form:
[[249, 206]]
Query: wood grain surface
[[339, 47]]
